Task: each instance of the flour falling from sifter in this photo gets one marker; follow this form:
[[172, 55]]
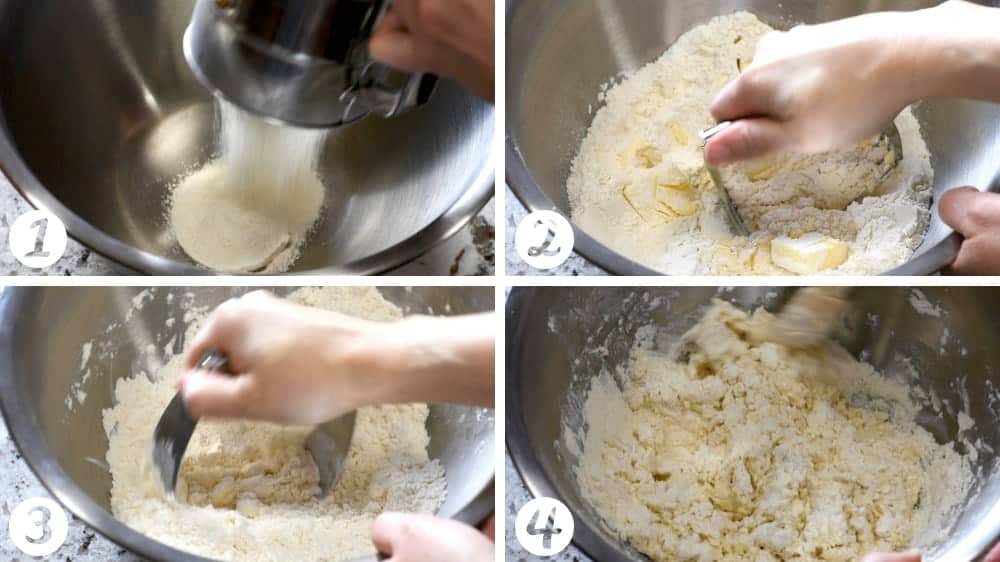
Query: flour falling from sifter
[[251, 208], [260, 154]]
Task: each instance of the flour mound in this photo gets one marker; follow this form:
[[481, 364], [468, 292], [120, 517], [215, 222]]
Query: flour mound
[[247, 490], [243, 228], [639, 183], [251, 209], [758, 452]]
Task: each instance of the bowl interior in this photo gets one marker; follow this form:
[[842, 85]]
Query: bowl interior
[[53, 324], [562, 337], [566, 50], [105, 114]]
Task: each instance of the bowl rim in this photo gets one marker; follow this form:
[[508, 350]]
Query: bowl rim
[[518, 446], [519, 179], [25, 432], [593, 543], [476, 195]]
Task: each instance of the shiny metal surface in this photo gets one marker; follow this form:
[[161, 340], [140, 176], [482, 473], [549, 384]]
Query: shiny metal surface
[[560, 52], [558, 338], [732, 213], [328, 444], [104, 114], [301, 62], [41, 334]]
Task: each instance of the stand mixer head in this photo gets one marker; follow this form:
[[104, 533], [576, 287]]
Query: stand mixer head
[[299, 62]]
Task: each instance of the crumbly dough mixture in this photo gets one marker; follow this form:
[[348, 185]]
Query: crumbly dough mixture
[[251, 209], [246, 490], [756, 452], [639, 183]]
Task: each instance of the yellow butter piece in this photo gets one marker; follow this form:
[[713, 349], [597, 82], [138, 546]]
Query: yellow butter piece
[[762, 174], [648, 156], [760, 262], [679, 135], [678, 198], [809, 253]]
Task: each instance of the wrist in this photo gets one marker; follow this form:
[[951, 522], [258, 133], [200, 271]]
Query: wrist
[[437, 360], [355, 355], [394, 362], [955, 50]]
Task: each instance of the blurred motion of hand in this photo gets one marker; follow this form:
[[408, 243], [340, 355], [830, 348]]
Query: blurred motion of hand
[[451, 38], [425, 538]]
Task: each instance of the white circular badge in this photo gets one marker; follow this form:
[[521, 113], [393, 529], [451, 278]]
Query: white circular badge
[[38, 526], [544, 239], [37, 239], [544, 526]]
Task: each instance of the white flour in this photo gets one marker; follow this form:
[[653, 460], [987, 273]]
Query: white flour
[[252, 208], [246, 490], [756, 452], [639, 184]]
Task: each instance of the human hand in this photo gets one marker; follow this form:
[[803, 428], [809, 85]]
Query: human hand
[[821, 87], [914, 556], [815, 88], [451, 38], [302, 365], [292, 364], [976, 216], [413, 537]]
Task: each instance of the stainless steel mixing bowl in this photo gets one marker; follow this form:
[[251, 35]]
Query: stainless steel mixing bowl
[[99, 113], [560, 52], [558, 338], [41, 334]]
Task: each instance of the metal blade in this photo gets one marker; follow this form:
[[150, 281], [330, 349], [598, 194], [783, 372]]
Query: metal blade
[[173, 431]]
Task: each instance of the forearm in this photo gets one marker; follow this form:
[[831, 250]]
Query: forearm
[[435, 360], [954, 51]]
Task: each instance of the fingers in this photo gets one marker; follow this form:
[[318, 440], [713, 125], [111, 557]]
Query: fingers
[[226, 328], [217, 333], [994, 555], [410, 538], [734, 101], [751, 95], [912, 556], [398, 49], [970, 211], [216, 395], [979, 255], [746, 139], [976, 216]]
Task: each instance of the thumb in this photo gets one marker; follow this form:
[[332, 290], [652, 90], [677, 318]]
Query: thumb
[[417, 537], [216, 395], [969, 211], [746, 139], [911, 556], [397, 48]]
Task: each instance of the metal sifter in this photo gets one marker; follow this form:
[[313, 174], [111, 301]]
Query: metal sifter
[[300, 62], [328, 443]]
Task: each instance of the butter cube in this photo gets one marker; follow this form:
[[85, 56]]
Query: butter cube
[[679, 135], [809, 253], [224, 493], [680, 199]]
